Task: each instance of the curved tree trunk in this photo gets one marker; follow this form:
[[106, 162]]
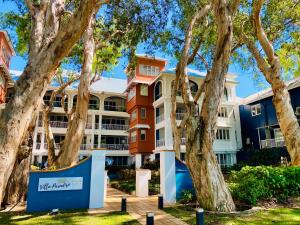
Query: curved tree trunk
[[71, 144], [211, 190], [49, 139], [271, 69], [33, 83]]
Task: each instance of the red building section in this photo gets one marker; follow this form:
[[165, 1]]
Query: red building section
[[139, 104], [6, 52]]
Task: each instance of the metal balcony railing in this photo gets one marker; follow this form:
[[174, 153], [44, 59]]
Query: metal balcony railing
[[160, 142], [115, 108], [114, 127], [58, 124], [115, 146], [271, 143], [160, 118]]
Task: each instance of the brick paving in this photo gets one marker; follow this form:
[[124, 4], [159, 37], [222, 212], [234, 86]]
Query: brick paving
[[137, 208]]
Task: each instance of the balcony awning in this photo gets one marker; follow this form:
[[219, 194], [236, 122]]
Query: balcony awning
[[139, 126]]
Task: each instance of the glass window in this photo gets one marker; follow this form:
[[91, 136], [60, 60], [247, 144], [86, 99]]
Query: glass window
[[149, 70], [223, 134], [255, 110], [131, 93], [223, 112], [143, 113], [144, 90], [143, 135], [133, 136], [133, 115]]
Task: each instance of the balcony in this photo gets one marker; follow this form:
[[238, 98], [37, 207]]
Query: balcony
[[86, 146], [183, 141], [89, 126], [115, 108], [58, 124], [160, 142], [114, 127], [160, 118], [115, 146], [56, 146], [271, 143]]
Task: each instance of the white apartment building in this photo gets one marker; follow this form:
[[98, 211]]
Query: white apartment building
[[228, 137]]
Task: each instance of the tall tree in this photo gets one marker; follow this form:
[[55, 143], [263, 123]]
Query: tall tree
[[281, 19], [55, 27], [211, 190]]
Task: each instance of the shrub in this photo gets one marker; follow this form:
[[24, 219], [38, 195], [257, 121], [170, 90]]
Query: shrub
[[151, 165], [251, 184], [187, 196], [126, 174]]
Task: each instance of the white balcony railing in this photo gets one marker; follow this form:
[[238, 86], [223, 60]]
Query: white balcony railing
[[179, 116], [56, 146], [114, 127], [86, 146], [115, 146], [114, 108], [160, 118], [58, 124], [272, 143], [160, 142]]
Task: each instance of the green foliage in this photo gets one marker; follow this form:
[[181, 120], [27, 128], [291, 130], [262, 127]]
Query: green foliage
[[126, 174], [151, 165], [127, 186], [187, 196], [252, 184]]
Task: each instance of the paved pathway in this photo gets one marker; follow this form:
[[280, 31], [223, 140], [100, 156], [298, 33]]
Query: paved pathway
[[137, 208]]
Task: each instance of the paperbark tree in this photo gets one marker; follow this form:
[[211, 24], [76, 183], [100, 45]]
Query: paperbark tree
[[53, 33], [269, 64], [211, 190]]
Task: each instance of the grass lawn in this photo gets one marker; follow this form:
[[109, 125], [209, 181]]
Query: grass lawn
[[282, 216], [82, 218]]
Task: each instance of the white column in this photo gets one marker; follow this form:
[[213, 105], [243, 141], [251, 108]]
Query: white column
[[138, 161], [142, 180], [168, 176], [168, 126], [98, 177]]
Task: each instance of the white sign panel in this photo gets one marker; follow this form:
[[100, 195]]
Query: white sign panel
[[60, 184]]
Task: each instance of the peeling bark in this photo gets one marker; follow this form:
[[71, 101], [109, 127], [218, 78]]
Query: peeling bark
[[271, 69], [76, 126], [211, 190], [33, 83]]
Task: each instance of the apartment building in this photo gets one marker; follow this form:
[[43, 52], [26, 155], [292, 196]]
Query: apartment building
[[7, 51], [106, 126], [149, 106], [259, 124]]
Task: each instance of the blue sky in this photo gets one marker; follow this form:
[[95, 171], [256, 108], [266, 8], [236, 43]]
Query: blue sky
[[245, 87]]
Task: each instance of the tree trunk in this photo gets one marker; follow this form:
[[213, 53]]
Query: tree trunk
[[76, 127], [271, 68], [33, 83], [49, 139]]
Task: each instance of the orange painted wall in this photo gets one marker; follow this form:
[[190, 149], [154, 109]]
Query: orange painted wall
[[4, 44]]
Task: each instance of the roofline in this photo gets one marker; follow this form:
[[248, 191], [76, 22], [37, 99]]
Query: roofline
[[258, 95], [145, 56], [9, 41]]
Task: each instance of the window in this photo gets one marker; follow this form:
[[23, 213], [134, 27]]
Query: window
[[143, 135], [224, 159], [223, 134], [133, 115], [255, 110], [133, 136], [223, 112], [149, 70], [144, 90], [297, 110], [131, 93], [158, 90], [143, 113]]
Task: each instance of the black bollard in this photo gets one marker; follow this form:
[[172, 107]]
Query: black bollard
[[160, 201], [150, 218], [199, 216], [123, 204]]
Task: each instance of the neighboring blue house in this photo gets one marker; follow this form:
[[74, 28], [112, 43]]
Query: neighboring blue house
[[259, 125]]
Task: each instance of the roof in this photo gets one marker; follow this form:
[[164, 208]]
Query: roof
[[9, 41], [105, 84], [294, 83], [147, 56]]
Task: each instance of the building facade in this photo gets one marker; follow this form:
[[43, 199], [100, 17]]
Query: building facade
[[259, 124], [149, 106], [7, 51]]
